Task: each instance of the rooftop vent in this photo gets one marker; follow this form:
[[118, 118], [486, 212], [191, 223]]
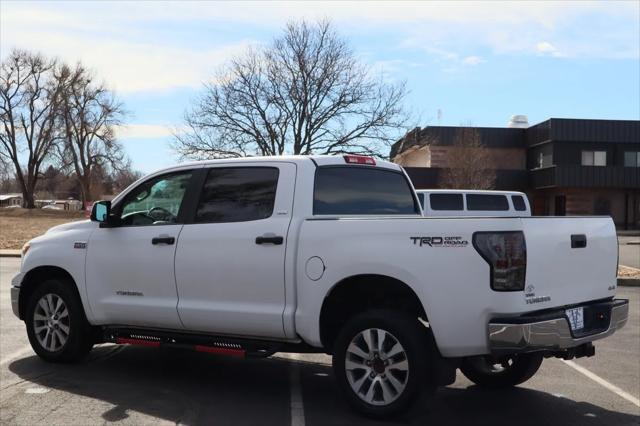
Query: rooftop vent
[[518, 122]]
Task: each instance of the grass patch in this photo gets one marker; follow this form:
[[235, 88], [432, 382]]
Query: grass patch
[[17, 226]]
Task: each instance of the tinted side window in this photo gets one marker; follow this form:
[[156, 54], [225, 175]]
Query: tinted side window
[[237, 194], [446, 201], [518, 203], [487, 202], [363, 191]]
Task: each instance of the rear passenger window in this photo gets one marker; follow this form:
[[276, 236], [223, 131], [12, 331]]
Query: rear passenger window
[[487, 202], [237, 194], [446, 201], [362, 191], [518, 203]]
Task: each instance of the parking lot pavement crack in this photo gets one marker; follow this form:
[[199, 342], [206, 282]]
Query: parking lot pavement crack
[[29, 380]]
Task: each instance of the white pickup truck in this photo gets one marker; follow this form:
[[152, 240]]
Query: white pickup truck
[[248, 257]]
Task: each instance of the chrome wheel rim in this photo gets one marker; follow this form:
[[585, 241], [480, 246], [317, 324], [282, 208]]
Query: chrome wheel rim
[[51, 322], [377, 366]]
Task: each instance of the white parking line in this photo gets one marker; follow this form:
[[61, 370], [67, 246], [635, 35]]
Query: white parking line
[[613, 388], [16, 354], [297, 405]]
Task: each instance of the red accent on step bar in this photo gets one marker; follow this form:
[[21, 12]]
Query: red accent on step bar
[[221, 351], [123, 341]]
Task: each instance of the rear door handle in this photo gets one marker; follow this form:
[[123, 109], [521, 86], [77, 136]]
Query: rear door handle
[[163, 239], [269, 239], [578, 241]]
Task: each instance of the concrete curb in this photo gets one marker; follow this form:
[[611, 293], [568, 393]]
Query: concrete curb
[[10, 253], [628, 282]]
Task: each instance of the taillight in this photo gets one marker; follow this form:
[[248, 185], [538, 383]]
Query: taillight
[[360, 159], [506, 254]]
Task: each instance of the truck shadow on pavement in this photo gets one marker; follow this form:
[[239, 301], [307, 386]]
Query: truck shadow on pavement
[[194, 388]]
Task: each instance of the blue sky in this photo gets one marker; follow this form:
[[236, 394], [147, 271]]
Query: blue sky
[[476, 62]]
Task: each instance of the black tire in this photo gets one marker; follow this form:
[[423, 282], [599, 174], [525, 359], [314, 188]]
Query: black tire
[[400, 328], [79, 337], [514, 370]]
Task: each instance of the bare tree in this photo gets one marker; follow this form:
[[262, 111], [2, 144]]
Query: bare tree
[[304, 93], [470, 164], [29, 98], [89, 113], [6, 169], [124, 177]]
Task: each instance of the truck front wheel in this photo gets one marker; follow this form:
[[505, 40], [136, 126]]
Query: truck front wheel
[[499, 373], [380, 360], [56, 325]]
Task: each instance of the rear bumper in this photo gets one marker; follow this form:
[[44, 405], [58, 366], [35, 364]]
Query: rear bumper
[[551, 330]]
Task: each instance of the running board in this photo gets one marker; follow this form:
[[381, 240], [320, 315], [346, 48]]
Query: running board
[[219, 345]]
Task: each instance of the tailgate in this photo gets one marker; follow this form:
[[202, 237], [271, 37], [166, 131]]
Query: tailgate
[[569, 273]]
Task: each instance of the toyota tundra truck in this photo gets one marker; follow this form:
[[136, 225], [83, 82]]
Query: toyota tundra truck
[[327, 254]]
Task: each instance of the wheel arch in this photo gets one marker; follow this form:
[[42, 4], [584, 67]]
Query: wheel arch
[[357, 293], [36, 276]]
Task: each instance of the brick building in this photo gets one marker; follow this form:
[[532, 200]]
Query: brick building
[[566, 166]]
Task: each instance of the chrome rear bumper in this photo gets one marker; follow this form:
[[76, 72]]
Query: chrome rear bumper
[[551, 331]]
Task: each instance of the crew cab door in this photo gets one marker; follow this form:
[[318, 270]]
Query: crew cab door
[[129, 267], [230, 258]]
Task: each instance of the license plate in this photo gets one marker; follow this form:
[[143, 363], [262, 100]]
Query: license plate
[[576, 318]]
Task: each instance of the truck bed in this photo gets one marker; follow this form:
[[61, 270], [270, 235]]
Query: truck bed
[[436, 259]]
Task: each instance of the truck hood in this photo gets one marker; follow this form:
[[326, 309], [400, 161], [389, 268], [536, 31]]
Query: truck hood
[[79, 230], [81, 224]]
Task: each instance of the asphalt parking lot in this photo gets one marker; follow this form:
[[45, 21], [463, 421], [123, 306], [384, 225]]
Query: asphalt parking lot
[[135, 385]]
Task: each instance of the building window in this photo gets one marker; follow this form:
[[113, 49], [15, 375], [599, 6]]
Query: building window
[[594, 158], [545, 160], [632, 159]]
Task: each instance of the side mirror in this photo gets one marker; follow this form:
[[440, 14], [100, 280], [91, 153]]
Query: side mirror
[[101, 212]]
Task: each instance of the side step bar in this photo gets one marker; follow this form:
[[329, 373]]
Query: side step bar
[[220, 345]]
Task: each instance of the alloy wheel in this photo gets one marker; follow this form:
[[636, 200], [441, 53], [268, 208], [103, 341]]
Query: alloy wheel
[[51, 322], [377, 366]]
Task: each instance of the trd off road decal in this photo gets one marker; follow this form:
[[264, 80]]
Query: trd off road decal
[[449, 241]]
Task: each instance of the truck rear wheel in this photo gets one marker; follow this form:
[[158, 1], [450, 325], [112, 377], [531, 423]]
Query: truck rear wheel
[[380, 360], [56, 325], [506, 372]]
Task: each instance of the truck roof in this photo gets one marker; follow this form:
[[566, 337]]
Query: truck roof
[[320, 160]]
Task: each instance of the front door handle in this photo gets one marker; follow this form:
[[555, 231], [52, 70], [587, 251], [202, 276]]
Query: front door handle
[[163, 239], [269, 239]]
